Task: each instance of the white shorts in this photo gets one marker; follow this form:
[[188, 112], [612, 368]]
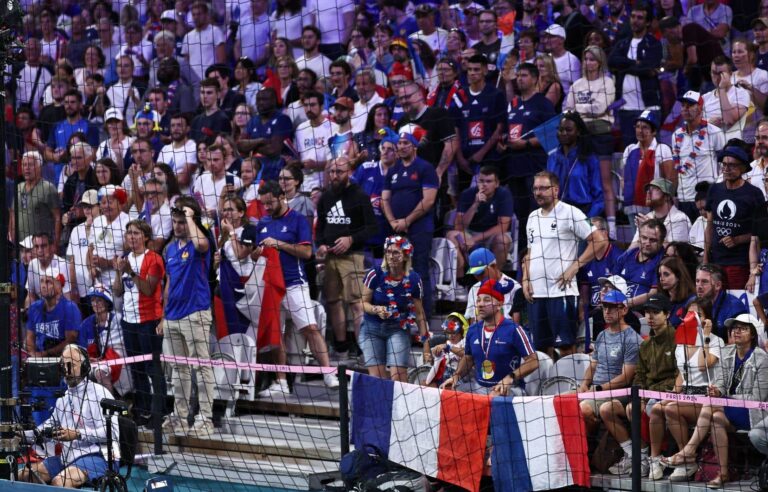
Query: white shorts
[[299, 306]]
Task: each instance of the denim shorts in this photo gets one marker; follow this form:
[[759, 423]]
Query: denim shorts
[[384, 343]]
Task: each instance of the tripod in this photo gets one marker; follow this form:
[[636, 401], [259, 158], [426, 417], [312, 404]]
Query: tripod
[[112, 480]]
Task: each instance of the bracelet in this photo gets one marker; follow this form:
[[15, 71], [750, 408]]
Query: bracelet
[[424, 338]]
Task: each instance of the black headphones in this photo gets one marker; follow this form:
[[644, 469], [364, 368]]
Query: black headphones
[[85, 363]]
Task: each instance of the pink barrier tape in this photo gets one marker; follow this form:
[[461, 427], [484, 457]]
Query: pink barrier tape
[[175, 359], [661, 395], [247, 365]]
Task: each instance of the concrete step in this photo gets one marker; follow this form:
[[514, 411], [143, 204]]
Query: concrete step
[[616, 483], [287, 473]]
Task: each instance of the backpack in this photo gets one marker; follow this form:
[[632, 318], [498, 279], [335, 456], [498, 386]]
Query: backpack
[[361, 465], [397, 481]]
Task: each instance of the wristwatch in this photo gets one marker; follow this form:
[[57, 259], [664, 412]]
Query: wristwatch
[[598, 387]]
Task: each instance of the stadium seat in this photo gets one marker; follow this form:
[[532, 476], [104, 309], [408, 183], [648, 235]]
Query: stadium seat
[[443, 267], [571, 366], [534, 380], [229, 383]]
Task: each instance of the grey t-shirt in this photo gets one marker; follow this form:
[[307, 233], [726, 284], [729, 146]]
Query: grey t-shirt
[[612, 351]]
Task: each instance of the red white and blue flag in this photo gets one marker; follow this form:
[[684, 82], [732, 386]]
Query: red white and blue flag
[[441, 434], [539, 443], [251, 304]]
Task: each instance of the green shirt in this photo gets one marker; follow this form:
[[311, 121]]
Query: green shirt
[[36, 208], [656, 366]]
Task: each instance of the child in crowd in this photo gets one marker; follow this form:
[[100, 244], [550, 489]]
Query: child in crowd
[[447, 355]]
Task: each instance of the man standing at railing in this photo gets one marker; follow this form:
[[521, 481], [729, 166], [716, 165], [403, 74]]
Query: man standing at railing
[[497, 347], [656, 371]]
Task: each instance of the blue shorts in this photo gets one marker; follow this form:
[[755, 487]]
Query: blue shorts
[[92, 464], [738, 417], [553, 321], [384, 343]]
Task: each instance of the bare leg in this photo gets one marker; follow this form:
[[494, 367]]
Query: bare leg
[[720, 426], [338, 320], [317, 345], [656, 428], [399, 374], [611, 413]]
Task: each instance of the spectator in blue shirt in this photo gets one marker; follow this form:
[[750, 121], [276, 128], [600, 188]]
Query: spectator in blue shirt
[[483, 218], [709, 285], [53, 320], [577, 166], [408, 199]]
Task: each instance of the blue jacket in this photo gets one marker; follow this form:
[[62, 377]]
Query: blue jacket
[[648, 61], [580, 182], [726, 306]]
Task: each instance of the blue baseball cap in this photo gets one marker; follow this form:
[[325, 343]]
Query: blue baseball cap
[[649, 117], [479, 259], [614, 297]]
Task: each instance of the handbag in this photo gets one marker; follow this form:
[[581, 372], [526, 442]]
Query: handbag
[[598, 127]]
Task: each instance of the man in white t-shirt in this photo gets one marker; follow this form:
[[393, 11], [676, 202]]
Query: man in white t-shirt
[[204, 45], [210, 186], [335, 22], [181, 153], [157, 213], [253, 33], [105, 242], [434, 36], [554, 232], [312, 58], [312, 141], [567, 64], [138, 173], [727, 103], [45, 261]]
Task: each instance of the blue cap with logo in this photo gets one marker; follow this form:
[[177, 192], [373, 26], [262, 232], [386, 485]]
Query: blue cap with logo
[[614, 297], [479, 259], [649, 117]]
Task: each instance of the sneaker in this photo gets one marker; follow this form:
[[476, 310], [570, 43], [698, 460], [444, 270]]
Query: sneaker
[[645, 465], [684, 473], [175, 425], [202, 428], [331, 380], [656, 471], [275, 389], [623, 467]]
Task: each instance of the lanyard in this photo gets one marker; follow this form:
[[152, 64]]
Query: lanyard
[[490, 339]]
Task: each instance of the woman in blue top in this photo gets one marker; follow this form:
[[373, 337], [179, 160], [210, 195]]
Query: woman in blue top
[[577, 166], [392, 304]]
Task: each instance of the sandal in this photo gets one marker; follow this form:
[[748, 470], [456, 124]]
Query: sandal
[[678, 460], [719, 482]]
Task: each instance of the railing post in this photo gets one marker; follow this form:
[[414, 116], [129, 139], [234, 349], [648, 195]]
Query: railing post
[[636, 421], [157, 405], [343, 409]]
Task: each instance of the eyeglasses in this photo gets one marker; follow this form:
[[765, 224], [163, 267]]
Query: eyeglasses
[[537, 189], [730, 164], [285, 178], [740, 327]]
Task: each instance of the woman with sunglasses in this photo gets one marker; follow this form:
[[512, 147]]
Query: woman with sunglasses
[[393, 309]]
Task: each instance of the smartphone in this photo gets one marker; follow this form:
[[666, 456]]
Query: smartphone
[[230, 180]]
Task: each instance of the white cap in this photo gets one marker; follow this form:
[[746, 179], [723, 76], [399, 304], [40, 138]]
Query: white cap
[[692, 97], [168, 15], [617, 281], [745, 318], [113, 114], [555, 30], [27, 242]]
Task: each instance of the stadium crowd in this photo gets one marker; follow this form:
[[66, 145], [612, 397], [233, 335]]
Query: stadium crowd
[[596, 171]]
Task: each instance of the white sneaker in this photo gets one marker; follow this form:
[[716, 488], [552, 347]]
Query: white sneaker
[[275, 389], [202, 428], [656, 471], [645, 465], [623, 467], [684, 473], [175, 425], [331, 380]]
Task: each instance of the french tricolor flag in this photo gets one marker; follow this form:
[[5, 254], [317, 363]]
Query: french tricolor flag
[[539, 443], [441, 434]]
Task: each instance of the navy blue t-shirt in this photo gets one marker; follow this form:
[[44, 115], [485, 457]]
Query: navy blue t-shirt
[[368, 176], [733, 213], [50, 327], [386, 290], [489, 212], [481, 114], [524, 116], [292, 228], [407, 185], [592, 271], [278, 124], [505, 350], [640, 276]]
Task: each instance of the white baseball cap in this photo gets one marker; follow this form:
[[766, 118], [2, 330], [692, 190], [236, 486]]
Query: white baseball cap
[[555, 30], [113, 114], [168, 15], [617, 281]]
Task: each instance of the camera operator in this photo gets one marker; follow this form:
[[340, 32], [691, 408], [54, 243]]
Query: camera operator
[[78, 424]]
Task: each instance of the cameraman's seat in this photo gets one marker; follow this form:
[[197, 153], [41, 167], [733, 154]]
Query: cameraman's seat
[[129, 445]]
